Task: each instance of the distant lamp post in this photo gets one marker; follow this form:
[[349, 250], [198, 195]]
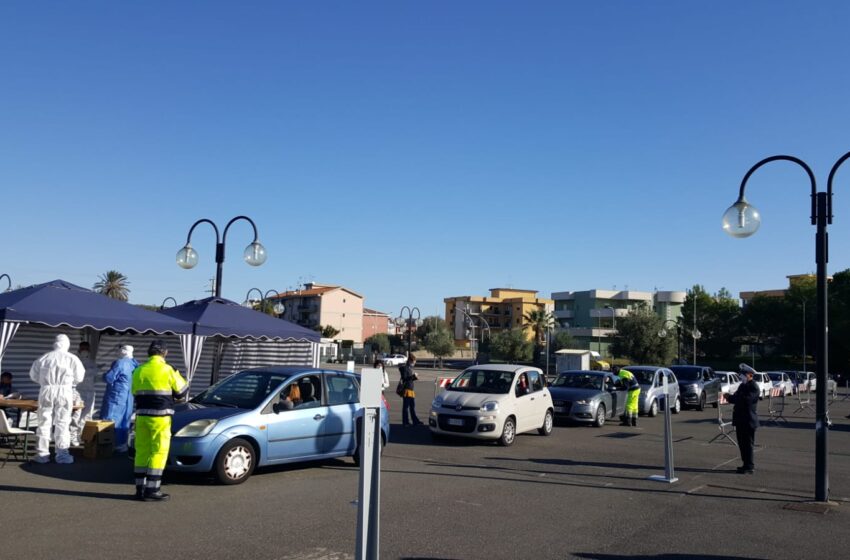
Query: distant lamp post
[[409, 321], [743, 220], [696, 335], [469, 318], [254, 254], [278, 307], [166, 300], [663, 333], [8, 279]]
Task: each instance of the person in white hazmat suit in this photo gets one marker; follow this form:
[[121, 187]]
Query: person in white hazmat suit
[[56, 372], [85, 394]]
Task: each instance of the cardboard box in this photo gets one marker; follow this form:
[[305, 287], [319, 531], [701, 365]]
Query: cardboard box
[[98, 439]]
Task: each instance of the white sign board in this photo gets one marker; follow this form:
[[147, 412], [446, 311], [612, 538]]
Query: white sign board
[[371, 380]]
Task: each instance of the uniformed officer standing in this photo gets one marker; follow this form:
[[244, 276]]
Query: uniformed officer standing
[[155, 386]]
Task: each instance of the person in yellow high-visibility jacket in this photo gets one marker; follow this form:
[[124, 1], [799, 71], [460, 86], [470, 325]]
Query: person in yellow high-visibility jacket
[[633, 388], [155, 387]]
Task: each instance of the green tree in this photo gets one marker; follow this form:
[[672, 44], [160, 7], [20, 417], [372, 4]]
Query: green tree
[[429, 324], [561, 341], [114, 285], [718, 320], [440, 343], [637, 338], [538, 320], [512, 346], [379, 342], [327, 331]]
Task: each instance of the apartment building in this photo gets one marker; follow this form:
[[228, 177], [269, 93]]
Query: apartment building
[[793, 280], [325, 305], [377, 322], [590, 316], [503, 309]]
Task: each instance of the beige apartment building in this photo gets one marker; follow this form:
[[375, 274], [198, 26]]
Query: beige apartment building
[[503, 309], [323, 305]]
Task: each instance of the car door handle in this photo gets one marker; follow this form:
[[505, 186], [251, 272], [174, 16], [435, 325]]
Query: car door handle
[[318, 417]]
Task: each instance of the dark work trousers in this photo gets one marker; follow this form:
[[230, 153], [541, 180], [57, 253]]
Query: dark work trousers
[[409, 404], [746, 442]]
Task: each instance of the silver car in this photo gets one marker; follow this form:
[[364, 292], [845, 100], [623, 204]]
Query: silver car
[[651, 379], [588, 396]]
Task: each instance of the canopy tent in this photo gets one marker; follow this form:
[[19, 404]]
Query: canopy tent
[[224, 319], [62, 304]]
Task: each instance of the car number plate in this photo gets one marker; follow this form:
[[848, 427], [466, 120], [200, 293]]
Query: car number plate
[[455, 422], [559, 409]]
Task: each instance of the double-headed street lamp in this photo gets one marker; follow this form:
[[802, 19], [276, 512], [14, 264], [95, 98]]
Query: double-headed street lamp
[[254, 255], [663, 332], [742, 220], [8, 279], [409, 321], [278, 307]]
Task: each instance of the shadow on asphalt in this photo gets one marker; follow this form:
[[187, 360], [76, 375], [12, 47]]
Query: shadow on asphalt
[[597, 556], [128, 496], [604, 465]]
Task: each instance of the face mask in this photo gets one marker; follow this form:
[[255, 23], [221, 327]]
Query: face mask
[[84, 354]]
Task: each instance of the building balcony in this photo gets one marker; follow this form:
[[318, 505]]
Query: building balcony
[[564, 314]]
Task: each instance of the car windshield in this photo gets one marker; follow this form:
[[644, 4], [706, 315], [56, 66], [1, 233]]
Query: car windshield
[[483, 381], [687, 373], [643, 376], [243, 390], [775, 376], [579, 381]]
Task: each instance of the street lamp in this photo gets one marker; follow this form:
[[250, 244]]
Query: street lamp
[[401, 321], [8, 279], [254, 255], [166, 300], [743, 220], [485, 327], [278, 307], [696, 336], [663, 332]]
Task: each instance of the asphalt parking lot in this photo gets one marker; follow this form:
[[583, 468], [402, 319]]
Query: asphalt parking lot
[[581, 493]]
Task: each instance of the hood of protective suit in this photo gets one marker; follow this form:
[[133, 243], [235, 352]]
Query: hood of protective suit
[[127, 351], [62, 343]]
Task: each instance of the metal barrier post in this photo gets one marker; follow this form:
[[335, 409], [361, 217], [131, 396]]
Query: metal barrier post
[[669, 470], [846, 394], [804, 404]]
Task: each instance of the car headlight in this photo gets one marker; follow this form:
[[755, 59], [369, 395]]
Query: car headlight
[[583, 401], [438, 402], [490, 406], [198, 428]]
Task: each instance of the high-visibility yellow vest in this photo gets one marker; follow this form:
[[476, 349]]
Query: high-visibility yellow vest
[[155, 386]]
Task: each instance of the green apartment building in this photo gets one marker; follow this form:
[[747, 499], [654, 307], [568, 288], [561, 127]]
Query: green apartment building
[[590, 316]]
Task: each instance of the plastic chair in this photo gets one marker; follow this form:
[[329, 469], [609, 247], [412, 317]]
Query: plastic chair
[[8, 432]]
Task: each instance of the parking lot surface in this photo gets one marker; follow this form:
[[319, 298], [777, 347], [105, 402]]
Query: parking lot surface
[[583, 492]]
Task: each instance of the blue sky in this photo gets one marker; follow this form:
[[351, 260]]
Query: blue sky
[[418, 150]]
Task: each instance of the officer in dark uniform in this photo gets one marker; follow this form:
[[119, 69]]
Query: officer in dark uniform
[[745, 418]]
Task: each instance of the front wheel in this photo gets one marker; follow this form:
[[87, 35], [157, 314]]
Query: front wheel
[[677, 406], [701, 404], [599, 418], [546, 428], [235, 462], [653, 409], [508, 433]]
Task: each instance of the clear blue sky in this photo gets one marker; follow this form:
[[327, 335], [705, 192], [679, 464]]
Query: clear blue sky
[[417, 150]]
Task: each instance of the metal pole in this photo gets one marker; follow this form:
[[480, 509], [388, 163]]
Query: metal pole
[[695, 327], [804, 335], [678, 343], [821, 444]]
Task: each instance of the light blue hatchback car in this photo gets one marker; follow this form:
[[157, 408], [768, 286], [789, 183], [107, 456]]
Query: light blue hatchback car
[[269, 416]]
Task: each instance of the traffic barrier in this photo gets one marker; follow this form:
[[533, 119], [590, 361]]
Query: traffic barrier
[[726, 428], [775, 415], [847, 392], [804, 404]]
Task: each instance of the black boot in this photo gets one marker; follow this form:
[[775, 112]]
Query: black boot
[[156, 496], [140, 493], [634, 421]]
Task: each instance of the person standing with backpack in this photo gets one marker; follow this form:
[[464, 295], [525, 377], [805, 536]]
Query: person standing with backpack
[[408, 395]]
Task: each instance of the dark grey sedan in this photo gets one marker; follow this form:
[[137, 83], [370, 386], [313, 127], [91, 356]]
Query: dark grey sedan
[[588, 396]]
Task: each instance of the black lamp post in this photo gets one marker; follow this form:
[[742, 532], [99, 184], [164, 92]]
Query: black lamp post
[[254, 255], [8, 279], [743, 220], [166, 300], [278, 307], [409, 321], [663, 332]]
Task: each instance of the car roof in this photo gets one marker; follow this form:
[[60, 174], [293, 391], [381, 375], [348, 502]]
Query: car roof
[[630, 368], [502, 367], [586, 372], [287, 370]]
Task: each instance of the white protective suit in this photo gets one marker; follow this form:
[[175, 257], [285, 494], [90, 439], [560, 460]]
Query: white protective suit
[[56, 372], [85, 394]]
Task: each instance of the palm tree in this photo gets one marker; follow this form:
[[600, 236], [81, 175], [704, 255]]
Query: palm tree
[[113, 284], [539, 320]]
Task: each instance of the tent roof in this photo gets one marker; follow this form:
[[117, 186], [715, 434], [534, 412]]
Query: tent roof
[[222, 317], [59, 303]]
